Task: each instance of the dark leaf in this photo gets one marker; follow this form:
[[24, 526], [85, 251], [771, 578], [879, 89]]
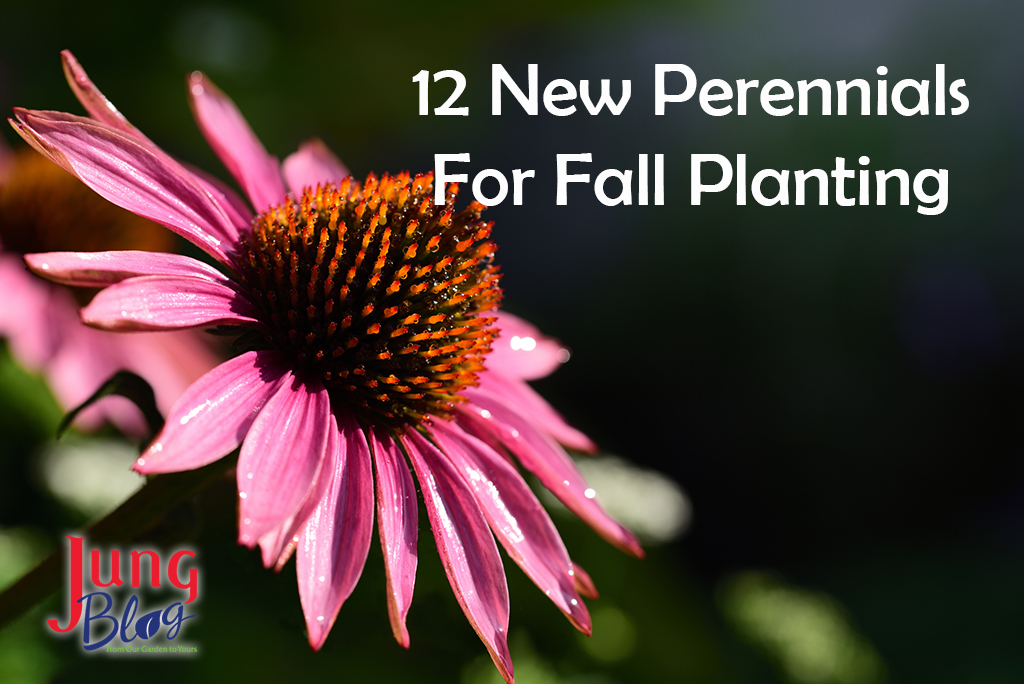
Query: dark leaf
[[128, 385]]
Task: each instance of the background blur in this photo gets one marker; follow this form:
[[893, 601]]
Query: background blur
[[838, 391]]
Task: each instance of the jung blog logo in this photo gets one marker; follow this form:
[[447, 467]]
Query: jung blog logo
[[101, 627]]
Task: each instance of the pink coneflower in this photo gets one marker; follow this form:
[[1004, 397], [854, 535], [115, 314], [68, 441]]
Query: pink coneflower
[[366, 315], [43, 208]]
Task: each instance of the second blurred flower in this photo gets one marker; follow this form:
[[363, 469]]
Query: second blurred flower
[[44, 208]]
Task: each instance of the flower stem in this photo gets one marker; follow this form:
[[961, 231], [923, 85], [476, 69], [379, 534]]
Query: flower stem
[[129, 522]]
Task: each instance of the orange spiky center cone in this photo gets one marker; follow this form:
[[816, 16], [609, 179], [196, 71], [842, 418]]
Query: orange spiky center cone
[[378, 292]]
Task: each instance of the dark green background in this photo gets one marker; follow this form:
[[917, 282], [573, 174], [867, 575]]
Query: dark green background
[[839, 390]]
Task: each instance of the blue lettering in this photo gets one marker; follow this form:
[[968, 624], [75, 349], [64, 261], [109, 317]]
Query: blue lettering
[[175, 621], [126, 619], [148, 625], [89, 617]]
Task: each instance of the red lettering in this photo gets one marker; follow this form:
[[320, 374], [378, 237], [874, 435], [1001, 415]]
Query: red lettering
[[172, 575], [74, 587], [115, 569], [154, 567]]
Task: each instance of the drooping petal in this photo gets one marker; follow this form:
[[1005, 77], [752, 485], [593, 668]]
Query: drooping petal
[[104, 111], [336, 540], [235, 207], [99, 269], [313, 163], [517, 518], [214, 414], [281, 456], [232, 139], [98, 106], [536, 409], [161, 302], [522, 350], [583, 583], [132, 175], [63, 117], [466, 547], [277, 545], [549, 462], [274, 544], [398, 526]]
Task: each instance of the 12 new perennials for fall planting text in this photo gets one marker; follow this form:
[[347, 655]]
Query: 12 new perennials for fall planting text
[[675, 85]]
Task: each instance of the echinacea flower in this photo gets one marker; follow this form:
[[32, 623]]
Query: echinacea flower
[[366, 314], [42, 208]]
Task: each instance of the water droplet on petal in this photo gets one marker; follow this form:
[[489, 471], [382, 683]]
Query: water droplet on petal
[[241, 495], [589, 493], [484, 413]]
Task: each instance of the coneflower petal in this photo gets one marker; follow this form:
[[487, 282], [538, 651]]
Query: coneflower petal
[[466, 547], [536, 409], [234, 206], [104, 111], [161, 302], [211, 418], [583, 583], [335, 541], [133, 175], [313, 164], [94, 101], [398, 525], [517, 518], [232, 139], [277, 546], [281, 456], [549, 462], [99, 269], [522, 350]]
